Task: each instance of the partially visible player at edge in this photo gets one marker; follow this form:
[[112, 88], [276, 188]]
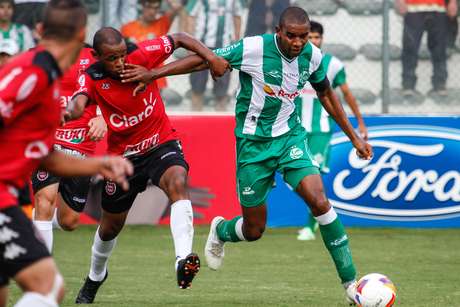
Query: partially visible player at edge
[[270, 137], [139, 128], [29, 116], [317, 121], [59, 201]]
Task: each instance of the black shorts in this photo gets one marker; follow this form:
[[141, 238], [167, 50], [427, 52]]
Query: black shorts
[[151, 165], [74, 191], [20, 246]]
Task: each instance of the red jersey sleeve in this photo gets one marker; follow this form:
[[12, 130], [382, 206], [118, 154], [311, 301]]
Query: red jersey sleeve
[[19, 89], [153, 52], [84, 86]]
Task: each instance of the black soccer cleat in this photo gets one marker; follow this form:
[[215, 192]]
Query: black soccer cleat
[[88, 291], [187, 269]]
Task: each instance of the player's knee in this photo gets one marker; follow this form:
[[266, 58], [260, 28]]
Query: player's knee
[[177, 186], [110, 231], [69, 223], [320, 205]]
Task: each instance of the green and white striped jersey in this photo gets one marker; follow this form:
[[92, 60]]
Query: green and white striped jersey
[[20, 34], [268, 99], [315, 118], [214, 24]]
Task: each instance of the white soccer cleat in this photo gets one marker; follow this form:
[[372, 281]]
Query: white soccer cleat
[[214, 249], [306, 234], [350, 291]]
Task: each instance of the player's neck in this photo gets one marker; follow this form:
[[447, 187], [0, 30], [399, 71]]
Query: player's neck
[[280, 48], [65, 53], [5, 25]]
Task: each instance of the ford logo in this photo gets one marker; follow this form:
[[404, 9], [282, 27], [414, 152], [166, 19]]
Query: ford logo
[[414, 175]]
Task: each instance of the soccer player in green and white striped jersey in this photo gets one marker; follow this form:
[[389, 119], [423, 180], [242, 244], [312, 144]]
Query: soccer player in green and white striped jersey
[[317, 121], [269, 136], [19, 33]]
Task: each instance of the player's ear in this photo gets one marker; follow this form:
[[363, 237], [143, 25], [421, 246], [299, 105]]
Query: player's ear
[[95, 54], [81, 35], [39, 29], [277, 29]]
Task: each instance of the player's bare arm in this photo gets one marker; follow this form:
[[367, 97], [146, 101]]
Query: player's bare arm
[[137, 73], [76, 107], [351, 100], [333, 106], [112, 168]]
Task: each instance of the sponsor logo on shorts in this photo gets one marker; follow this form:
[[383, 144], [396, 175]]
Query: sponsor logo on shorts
[[42, 175], [296, 153], [79, 200], [4, 219], [110, 188], [7, 234], [73, 136], [248, 191]]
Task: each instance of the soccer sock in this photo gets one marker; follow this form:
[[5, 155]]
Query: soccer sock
[[231, 231], [36, 300], [181, 224], [100, 253], [336, 242], [312, 223], [45, 228], [55, 220]]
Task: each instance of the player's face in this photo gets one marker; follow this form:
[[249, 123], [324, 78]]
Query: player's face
[[292, 38], [315, 38], [6, 12], [113, 57], [150, 11]]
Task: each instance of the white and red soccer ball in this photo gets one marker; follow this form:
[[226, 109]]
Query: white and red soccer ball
[[375, 290]]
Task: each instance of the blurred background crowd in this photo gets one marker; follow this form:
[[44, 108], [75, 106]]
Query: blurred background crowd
[[401, 56]]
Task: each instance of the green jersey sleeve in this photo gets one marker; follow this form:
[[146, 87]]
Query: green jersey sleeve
[[232, 53], [340, 78], [319, 74]]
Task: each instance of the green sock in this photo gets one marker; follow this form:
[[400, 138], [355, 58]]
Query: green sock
[[226, 230], [312, 223], [336, 241]]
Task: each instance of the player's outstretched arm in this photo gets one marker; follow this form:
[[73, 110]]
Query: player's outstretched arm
[[137, 73], [217, 65], [351, 100], [112, 168], [333, 106]]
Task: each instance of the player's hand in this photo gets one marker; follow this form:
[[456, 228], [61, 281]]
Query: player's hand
[[136, 73], [97, 128], [363, 131], [363, 149], [218, 66], [401, 6], [116, 169]]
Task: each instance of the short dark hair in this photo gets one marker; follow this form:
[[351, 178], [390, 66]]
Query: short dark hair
[[11, 2], [316, 27], [106, 35], [144, 2], [294, 14], [62, 19]]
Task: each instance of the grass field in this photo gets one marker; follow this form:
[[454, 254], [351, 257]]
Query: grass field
[[278, 270]]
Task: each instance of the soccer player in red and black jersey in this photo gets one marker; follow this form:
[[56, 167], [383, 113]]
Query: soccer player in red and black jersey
[[59, 201], [29, 115], [139, 129]]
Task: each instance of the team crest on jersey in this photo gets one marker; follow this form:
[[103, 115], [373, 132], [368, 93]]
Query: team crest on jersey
[[296, 153], [84, 61], [105, 86], [303, 78], [110, 188], [42, 175]]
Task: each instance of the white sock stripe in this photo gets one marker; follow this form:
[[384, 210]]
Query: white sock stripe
[[239, 229], [327, 217], [43, 225]]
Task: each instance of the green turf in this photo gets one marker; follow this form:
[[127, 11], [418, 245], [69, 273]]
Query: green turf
[[277, 270]]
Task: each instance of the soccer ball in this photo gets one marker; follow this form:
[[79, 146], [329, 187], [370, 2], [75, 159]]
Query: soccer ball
[[375, 290]]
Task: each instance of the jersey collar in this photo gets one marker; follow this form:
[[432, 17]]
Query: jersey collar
[[275, 38]]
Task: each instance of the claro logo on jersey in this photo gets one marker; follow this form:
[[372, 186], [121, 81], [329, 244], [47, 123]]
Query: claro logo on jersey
[[73, 136], [414, 175], [123, 121], [280, 93]]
